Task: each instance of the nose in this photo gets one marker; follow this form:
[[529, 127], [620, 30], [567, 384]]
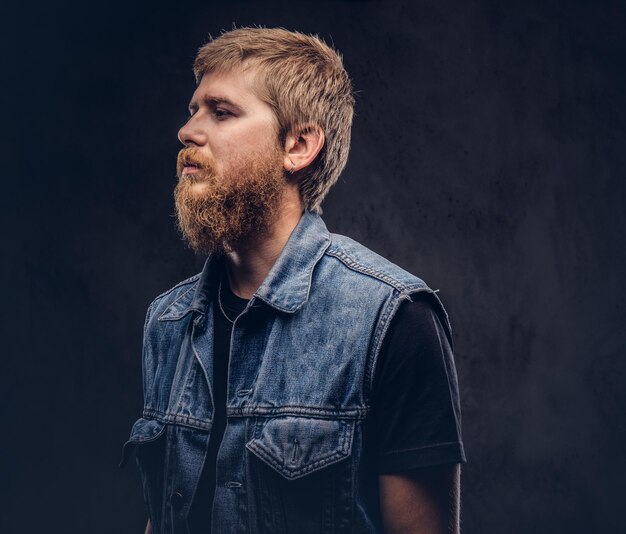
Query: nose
[[191, 134]]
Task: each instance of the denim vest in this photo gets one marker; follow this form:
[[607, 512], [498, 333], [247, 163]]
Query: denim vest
[[294, 456]]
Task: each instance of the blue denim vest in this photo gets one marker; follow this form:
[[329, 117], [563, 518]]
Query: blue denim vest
[[294, 457]]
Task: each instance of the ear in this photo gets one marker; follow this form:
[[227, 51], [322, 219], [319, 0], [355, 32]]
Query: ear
[[302, 147]]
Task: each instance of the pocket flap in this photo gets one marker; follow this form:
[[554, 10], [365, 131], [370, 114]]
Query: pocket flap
[[143, 431], [296, 446]]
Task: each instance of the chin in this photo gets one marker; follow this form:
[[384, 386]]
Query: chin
[[198, 187]]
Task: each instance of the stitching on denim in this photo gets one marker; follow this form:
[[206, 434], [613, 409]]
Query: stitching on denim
[[379, 336], [346, 434], [179, 314], [187, 281], [184, 399], [148, 440], [381, 331], [199, 361], [277, 306], [296, 472], [320, 255], [298, 305], [144, 354], [315, 413], [195, 489], [185, 420], [351, 263]]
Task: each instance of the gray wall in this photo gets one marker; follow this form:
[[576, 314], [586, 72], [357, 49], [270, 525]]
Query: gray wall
[[488, 157]]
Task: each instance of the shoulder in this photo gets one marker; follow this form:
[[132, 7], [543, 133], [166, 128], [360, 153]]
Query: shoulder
[[361, 260], [180, 290]]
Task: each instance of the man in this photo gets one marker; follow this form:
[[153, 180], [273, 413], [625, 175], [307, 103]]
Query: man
[[300, 383]]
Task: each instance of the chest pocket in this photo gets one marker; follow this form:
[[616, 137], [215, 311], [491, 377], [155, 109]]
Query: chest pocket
[[297, 446]]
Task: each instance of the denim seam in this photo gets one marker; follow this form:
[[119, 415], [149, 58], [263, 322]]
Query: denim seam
[[189, 280], [318, 257], [147, 440], [199, 362], [144, 353], [293, 410], [349, 262], [381, 332], [138, 441], [185, 420], [181, 313], [346, 436], [379, 335], [295, 307], [296, 472], [184, 401]]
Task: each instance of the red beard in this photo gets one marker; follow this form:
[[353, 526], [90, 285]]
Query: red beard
[[218, 214]]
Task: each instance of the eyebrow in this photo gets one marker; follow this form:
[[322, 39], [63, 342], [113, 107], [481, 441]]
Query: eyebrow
[[212, 101]]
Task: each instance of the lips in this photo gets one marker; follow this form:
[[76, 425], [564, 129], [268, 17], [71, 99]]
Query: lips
[[190, 167], [191, 161]]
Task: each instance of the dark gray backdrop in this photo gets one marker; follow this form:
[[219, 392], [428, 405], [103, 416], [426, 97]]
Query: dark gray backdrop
[[488, 157]]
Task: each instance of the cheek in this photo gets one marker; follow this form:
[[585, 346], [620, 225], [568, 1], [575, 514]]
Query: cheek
[[230, 144], [256, 133], [241, 139]]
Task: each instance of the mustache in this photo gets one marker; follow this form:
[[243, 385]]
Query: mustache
[[192, 156]]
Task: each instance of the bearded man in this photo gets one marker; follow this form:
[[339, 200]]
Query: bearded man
[[300, 383]]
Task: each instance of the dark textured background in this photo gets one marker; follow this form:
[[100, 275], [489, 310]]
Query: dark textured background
[[488, 157]]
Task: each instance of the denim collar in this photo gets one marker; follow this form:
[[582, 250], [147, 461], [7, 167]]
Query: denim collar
[[287, 285]]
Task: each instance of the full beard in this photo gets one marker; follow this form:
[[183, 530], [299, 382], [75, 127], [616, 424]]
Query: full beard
[[219, 214]]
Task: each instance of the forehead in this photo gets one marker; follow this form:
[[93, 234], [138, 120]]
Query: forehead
[[237, 86]]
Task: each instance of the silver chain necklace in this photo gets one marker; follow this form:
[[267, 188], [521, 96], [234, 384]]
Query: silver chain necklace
[[219, 301]]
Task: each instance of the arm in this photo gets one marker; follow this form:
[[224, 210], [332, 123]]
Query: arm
[[416, 424], [148, 528], [422, 501]]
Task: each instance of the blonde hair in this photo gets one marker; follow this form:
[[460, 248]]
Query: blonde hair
[[305, 83]]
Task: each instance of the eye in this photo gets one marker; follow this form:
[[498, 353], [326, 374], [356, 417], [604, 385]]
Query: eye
[[221, 113]]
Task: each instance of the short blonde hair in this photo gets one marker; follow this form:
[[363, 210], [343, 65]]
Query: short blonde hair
[[304, 81]]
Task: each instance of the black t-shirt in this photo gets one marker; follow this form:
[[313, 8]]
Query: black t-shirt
[[415, 415]]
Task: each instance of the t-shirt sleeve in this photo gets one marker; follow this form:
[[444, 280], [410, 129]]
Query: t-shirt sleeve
[[415, 418]]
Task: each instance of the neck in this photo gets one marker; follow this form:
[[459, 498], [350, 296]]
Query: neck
[[250, 265]]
